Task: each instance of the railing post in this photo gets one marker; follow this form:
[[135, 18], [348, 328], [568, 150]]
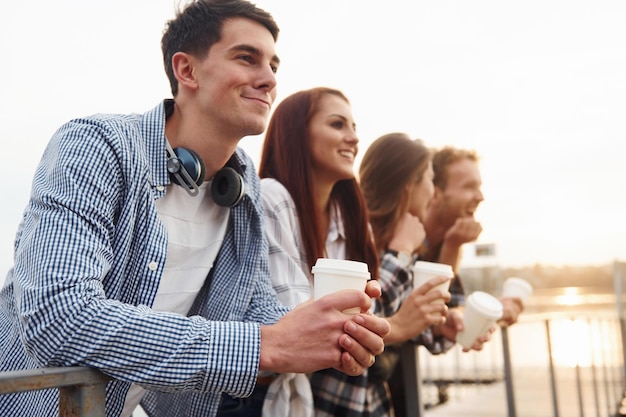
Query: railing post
[[579, 390], [555, 402], [82, 401], [412, 383], [619, 278], [594, 376], [610, 405], [508, 373]]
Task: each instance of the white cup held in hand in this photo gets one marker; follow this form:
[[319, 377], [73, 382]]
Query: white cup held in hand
[[332, 275], [424, 271], [482, 310], [517, 288]]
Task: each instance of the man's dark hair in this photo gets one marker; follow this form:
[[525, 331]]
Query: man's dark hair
[[199, 25]]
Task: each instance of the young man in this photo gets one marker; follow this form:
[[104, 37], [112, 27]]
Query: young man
[[450, 222], [123, 264]]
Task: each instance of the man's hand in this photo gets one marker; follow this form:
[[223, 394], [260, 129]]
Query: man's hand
[[480, 342], [454, 324], [512, 307], [362, 342], [317, 335], [464, 230], [373, 289]]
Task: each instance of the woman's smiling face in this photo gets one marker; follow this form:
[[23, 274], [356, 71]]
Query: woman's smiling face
[[333, 140]]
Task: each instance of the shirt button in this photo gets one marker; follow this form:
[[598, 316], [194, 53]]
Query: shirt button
[[160, 188], [152, 266]]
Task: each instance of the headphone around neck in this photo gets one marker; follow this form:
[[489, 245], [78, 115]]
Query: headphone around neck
[[187, 169]]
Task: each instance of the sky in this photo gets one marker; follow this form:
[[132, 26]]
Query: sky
[[538, 88]]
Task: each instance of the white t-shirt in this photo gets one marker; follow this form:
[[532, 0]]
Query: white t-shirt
[[195, 228]]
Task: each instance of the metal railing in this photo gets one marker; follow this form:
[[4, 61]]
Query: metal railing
[[595, 388], [81, 390], [593, 385]]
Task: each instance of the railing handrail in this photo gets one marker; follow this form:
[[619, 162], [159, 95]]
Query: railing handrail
[[81, 389], [44, 378]]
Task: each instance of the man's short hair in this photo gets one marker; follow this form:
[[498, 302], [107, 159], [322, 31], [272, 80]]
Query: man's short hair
[[445, 156]]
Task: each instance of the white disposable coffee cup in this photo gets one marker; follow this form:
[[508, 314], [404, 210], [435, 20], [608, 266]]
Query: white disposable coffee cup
[[482, 310], [514, 287], [424, 271], [332, 275]]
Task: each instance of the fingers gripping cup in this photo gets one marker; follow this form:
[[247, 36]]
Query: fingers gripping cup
[[424, 271], [517, 288], [332, 275], [481, 312]]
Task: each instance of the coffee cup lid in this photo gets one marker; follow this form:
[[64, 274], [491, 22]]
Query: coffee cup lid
[[341, 266], [519, 281], [486, 304], [435, 268]]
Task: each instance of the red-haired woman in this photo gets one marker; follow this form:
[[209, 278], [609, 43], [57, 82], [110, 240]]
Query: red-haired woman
[[314, 208]]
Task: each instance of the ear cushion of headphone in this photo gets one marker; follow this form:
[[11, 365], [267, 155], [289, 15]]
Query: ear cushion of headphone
[[192, 163], [227, 188]]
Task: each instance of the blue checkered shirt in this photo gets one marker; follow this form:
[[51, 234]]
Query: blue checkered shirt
[[89, 254]]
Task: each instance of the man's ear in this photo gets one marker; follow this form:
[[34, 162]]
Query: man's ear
[[183, 66]]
